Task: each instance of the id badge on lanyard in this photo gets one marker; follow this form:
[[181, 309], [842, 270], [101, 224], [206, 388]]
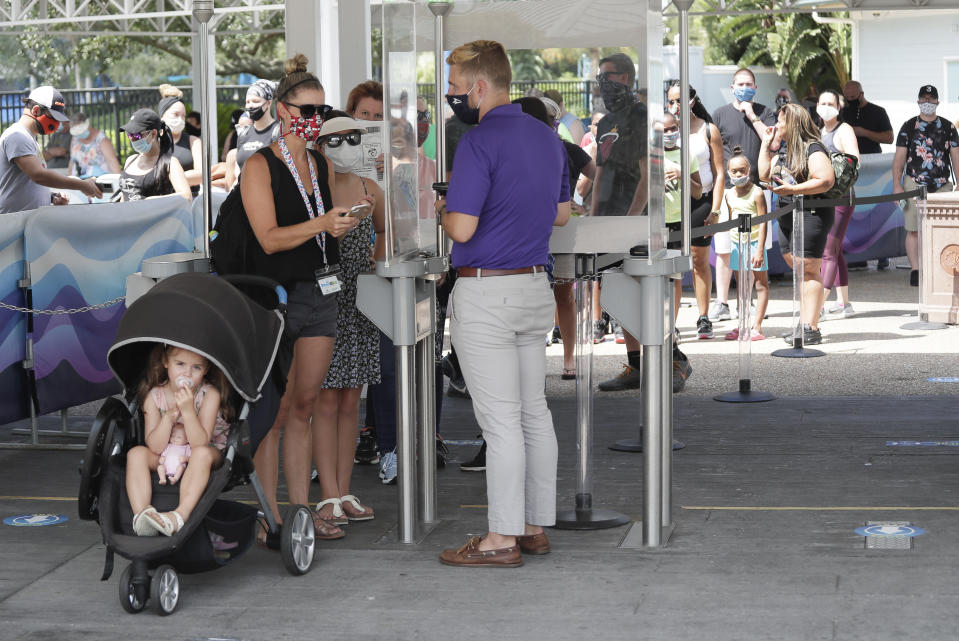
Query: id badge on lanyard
[[327, 279]]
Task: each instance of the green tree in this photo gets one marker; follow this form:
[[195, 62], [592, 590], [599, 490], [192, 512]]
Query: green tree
[[811, 56]]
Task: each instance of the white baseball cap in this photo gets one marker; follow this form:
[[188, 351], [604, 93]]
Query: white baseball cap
[[52, 99]]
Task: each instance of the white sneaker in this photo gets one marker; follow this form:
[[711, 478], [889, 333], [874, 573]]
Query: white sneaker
[[838, 309], [719, 311]]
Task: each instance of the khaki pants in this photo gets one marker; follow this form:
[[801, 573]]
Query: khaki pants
[[498, 325]]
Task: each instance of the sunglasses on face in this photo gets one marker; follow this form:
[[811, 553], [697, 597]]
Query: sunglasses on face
[[135, 137], [674, 101], [308, 111], [352, 139]]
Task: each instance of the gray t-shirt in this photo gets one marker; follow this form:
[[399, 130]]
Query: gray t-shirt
[[254, 140], [737, 130], [17, 191]]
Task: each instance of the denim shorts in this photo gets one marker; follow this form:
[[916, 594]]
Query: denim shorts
[[309, 313]]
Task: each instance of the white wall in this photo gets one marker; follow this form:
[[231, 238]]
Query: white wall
[[900, 52]]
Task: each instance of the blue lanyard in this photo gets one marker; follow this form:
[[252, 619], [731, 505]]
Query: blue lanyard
[[288, 158]]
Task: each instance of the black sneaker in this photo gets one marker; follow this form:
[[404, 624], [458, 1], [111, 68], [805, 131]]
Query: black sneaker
[[442, 452], [557, 336], [599, 332], [366, 453], [627, 379], [446, 366], [457, 388], [478, 464], [682, 370], [810, 336], [704, 328], [882, 263], [914, 278]]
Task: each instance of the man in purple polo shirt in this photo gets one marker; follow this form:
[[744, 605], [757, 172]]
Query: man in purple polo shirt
[[510, 185]]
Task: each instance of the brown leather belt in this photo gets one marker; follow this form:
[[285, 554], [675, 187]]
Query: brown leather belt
[[480, 272]]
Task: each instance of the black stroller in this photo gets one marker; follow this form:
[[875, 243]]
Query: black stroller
[[210, 316]]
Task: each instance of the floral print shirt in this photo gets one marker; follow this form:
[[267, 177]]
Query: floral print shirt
[[927, 150]]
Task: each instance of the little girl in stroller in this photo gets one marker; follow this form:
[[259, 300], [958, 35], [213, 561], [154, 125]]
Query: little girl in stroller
[[180, 388]]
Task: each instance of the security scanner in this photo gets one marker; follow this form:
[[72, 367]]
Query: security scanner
[[627, 234]]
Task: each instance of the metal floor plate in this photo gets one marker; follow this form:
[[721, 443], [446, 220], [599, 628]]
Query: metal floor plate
[[885, 537]]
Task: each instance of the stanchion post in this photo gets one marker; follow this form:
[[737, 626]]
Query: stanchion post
[[403, 295], [798, 349], [666, 390], [653, 447], [426, 419], [744, 288], [584, 516]]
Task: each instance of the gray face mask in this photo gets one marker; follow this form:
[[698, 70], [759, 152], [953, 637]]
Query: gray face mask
[[927, 108], [740, 181]]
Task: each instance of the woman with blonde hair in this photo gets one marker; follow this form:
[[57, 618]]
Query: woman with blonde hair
[[187, 149], [801, 167]]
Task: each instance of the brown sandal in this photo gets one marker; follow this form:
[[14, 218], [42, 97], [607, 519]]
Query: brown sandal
[[325, 530]]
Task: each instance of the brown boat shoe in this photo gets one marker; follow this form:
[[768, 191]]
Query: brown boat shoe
[[533, 543], [471, 556]]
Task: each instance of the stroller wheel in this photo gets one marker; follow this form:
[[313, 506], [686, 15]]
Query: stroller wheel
[[133, 593], [297, 542], [164, 590]]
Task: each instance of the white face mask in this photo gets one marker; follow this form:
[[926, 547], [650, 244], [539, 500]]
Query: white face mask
[[176, 125], [927, 108], [345, 158], [80, 130], [827, 112]]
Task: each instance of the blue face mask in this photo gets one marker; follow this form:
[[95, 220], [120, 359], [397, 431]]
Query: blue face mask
[[460, 105], [142, 145], [671, 139], [744, 94]]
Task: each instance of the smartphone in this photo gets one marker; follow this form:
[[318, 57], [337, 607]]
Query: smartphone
[[766, 185], [360, 211]]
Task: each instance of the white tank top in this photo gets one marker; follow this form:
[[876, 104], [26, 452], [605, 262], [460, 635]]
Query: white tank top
[[699, 147]]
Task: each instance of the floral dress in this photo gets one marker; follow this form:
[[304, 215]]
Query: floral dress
[[88, 158], [356, 352]]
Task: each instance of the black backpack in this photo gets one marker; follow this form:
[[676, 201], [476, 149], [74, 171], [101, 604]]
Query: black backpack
[[232, 239]]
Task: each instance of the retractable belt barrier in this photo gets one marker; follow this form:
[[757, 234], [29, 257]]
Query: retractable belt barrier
[[745, 393]]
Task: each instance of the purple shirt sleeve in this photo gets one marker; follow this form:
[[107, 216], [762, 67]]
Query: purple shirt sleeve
[[471, 178]]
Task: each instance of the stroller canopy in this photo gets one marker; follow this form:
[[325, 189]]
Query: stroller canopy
[[207, 315]]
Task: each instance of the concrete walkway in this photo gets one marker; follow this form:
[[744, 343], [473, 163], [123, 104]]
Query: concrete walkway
[[767, 498]]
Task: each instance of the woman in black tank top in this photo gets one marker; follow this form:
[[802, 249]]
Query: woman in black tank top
[[297, 242], [186, 148], [152, 171]]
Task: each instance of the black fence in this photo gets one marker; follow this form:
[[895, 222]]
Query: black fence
[[577, 94], [109, 107]]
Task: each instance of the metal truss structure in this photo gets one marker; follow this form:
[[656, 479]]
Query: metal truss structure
[[138, 17], [742, 7]]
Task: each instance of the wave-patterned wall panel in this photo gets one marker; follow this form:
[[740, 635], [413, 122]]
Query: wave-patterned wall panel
[[14, 403], [80, 256]]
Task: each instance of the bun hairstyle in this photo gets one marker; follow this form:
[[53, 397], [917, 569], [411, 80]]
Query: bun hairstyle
[[738, 152], [169, 91], [169, 96], [296, 78]]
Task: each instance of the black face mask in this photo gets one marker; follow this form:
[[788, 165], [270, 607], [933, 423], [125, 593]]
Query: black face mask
[[257, 113], [616, 96], [460, 105]]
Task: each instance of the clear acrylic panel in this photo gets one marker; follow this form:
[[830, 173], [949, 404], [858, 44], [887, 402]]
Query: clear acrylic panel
[[630, 154], [407, 232]]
